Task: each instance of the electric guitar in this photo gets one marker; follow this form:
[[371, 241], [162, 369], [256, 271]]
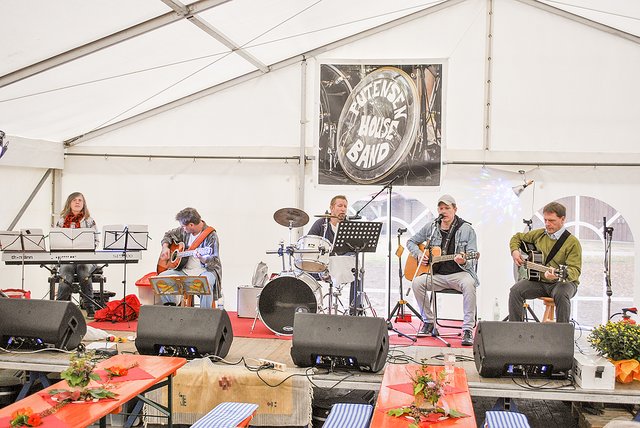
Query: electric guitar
[[533, 264], [178, 257], [412, 267]]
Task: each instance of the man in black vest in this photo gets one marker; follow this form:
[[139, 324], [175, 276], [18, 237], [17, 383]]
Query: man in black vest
[[454, 236]]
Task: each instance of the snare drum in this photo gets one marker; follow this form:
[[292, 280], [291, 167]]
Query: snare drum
[[285, 296], [317, 259]]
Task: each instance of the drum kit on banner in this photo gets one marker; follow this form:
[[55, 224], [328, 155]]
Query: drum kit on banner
[[297, 287]]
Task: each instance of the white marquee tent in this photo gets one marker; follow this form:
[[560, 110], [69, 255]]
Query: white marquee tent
[[148, 106]]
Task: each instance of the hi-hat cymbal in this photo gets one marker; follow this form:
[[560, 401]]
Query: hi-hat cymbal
[[326, 216], [291, 217]]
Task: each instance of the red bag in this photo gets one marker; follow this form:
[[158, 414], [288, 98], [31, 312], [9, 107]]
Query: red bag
[[17, 293], [115, 311]]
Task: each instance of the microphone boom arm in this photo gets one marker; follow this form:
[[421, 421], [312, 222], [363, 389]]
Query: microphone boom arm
[[388, 185]]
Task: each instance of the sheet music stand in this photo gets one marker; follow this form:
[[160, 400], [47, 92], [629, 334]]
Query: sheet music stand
[[179, 285], [125, 238], [357, 237], [68, 239], [24, 241]]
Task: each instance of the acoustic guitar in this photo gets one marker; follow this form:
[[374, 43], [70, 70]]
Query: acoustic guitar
[[178, 257], [413, 267], [533, 264]]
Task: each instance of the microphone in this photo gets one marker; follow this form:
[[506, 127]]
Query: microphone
[[402, 229], [439, 218], [354, 217]]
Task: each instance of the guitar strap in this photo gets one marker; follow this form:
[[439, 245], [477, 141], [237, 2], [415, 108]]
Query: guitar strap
[[201, 238], [556, 247]]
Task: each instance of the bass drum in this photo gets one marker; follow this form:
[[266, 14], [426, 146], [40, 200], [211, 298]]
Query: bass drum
[[283, 297]]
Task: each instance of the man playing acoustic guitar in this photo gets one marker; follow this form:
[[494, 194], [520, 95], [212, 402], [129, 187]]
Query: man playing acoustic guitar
[[561, 257], [201, 257], [450, 235]]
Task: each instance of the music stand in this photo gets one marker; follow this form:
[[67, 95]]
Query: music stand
[[125, 238], [357, 237], [24, 241], [179, 285]]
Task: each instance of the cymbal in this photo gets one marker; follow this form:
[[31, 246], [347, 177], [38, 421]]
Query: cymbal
[[291, 217], [326, 216]]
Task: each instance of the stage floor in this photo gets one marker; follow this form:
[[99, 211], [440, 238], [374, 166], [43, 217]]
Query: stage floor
[[278, 350]]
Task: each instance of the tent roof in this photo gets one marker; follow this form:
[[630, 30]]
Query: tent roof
[[70, 67]]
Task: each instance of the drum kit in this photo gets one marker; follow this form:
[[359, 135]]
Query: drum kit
[[297, 287]]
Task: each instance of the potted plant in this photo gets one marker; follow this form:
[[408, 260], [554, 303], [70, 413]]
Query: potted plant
[[620, 343]]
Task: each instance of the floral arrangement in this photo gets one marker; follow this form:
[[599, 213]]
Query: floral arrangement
[[25, 418], [427, 390], [78, 375], [620, 342], [617, 340], [119, 371]]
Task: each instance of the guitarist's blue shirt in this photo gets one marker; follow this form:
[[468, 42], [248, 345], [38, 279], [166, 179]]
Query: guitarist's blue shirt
[[465, 239]]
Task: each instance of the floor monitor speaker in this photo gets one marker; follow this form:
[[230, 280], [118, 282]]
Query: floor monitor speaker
[[37, 324], [523, 349], [183, 332], [339, 341]]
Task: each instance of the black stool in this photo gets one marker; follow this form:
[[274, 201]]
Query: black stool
[[97, 277]]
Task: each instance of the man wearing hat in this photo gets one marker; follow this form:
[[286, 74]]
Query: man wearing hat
[[452, 235]]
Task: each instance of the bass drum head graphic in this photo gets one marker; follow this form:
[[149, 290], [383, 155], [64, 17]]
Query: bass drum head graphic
[[378, 125]]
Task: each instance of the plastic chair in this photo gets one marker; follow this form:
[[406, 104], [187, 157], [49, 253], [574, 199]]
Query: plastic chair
[[228, 415], [349, 415]]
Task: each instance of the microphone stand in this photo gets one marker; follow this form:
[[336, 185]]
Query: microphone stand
[[388, 186], [607, 233], [399, 308]]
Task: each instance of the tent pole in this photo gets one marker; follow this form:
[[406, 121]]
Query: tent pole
[[28, 201], [303, 134]]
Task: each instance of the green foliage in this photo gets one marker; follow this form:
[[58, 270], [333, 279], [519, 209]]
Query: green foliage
[[80, 370], [427, 386], [399, 411], [617, 340]]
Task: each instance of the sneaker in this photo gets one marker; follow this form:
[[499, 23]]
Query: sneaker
[[426, 330], [467, 338], [91, 315]]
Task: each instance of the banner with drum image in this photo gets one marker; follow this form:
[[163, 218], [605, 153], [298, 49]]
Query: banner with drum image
[[378, 122]]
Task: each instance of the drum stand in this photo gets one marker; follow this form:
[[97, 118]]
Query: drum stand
[[334, 303]]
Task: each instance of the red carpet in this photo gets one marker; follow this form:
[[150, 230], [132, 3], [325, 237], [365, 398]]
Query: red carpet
[[242, 328], [412, 328], [115, 326]]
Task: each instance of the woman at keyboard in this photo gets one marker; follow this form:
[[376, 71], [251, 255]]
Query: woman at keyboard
[[75, 215]]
